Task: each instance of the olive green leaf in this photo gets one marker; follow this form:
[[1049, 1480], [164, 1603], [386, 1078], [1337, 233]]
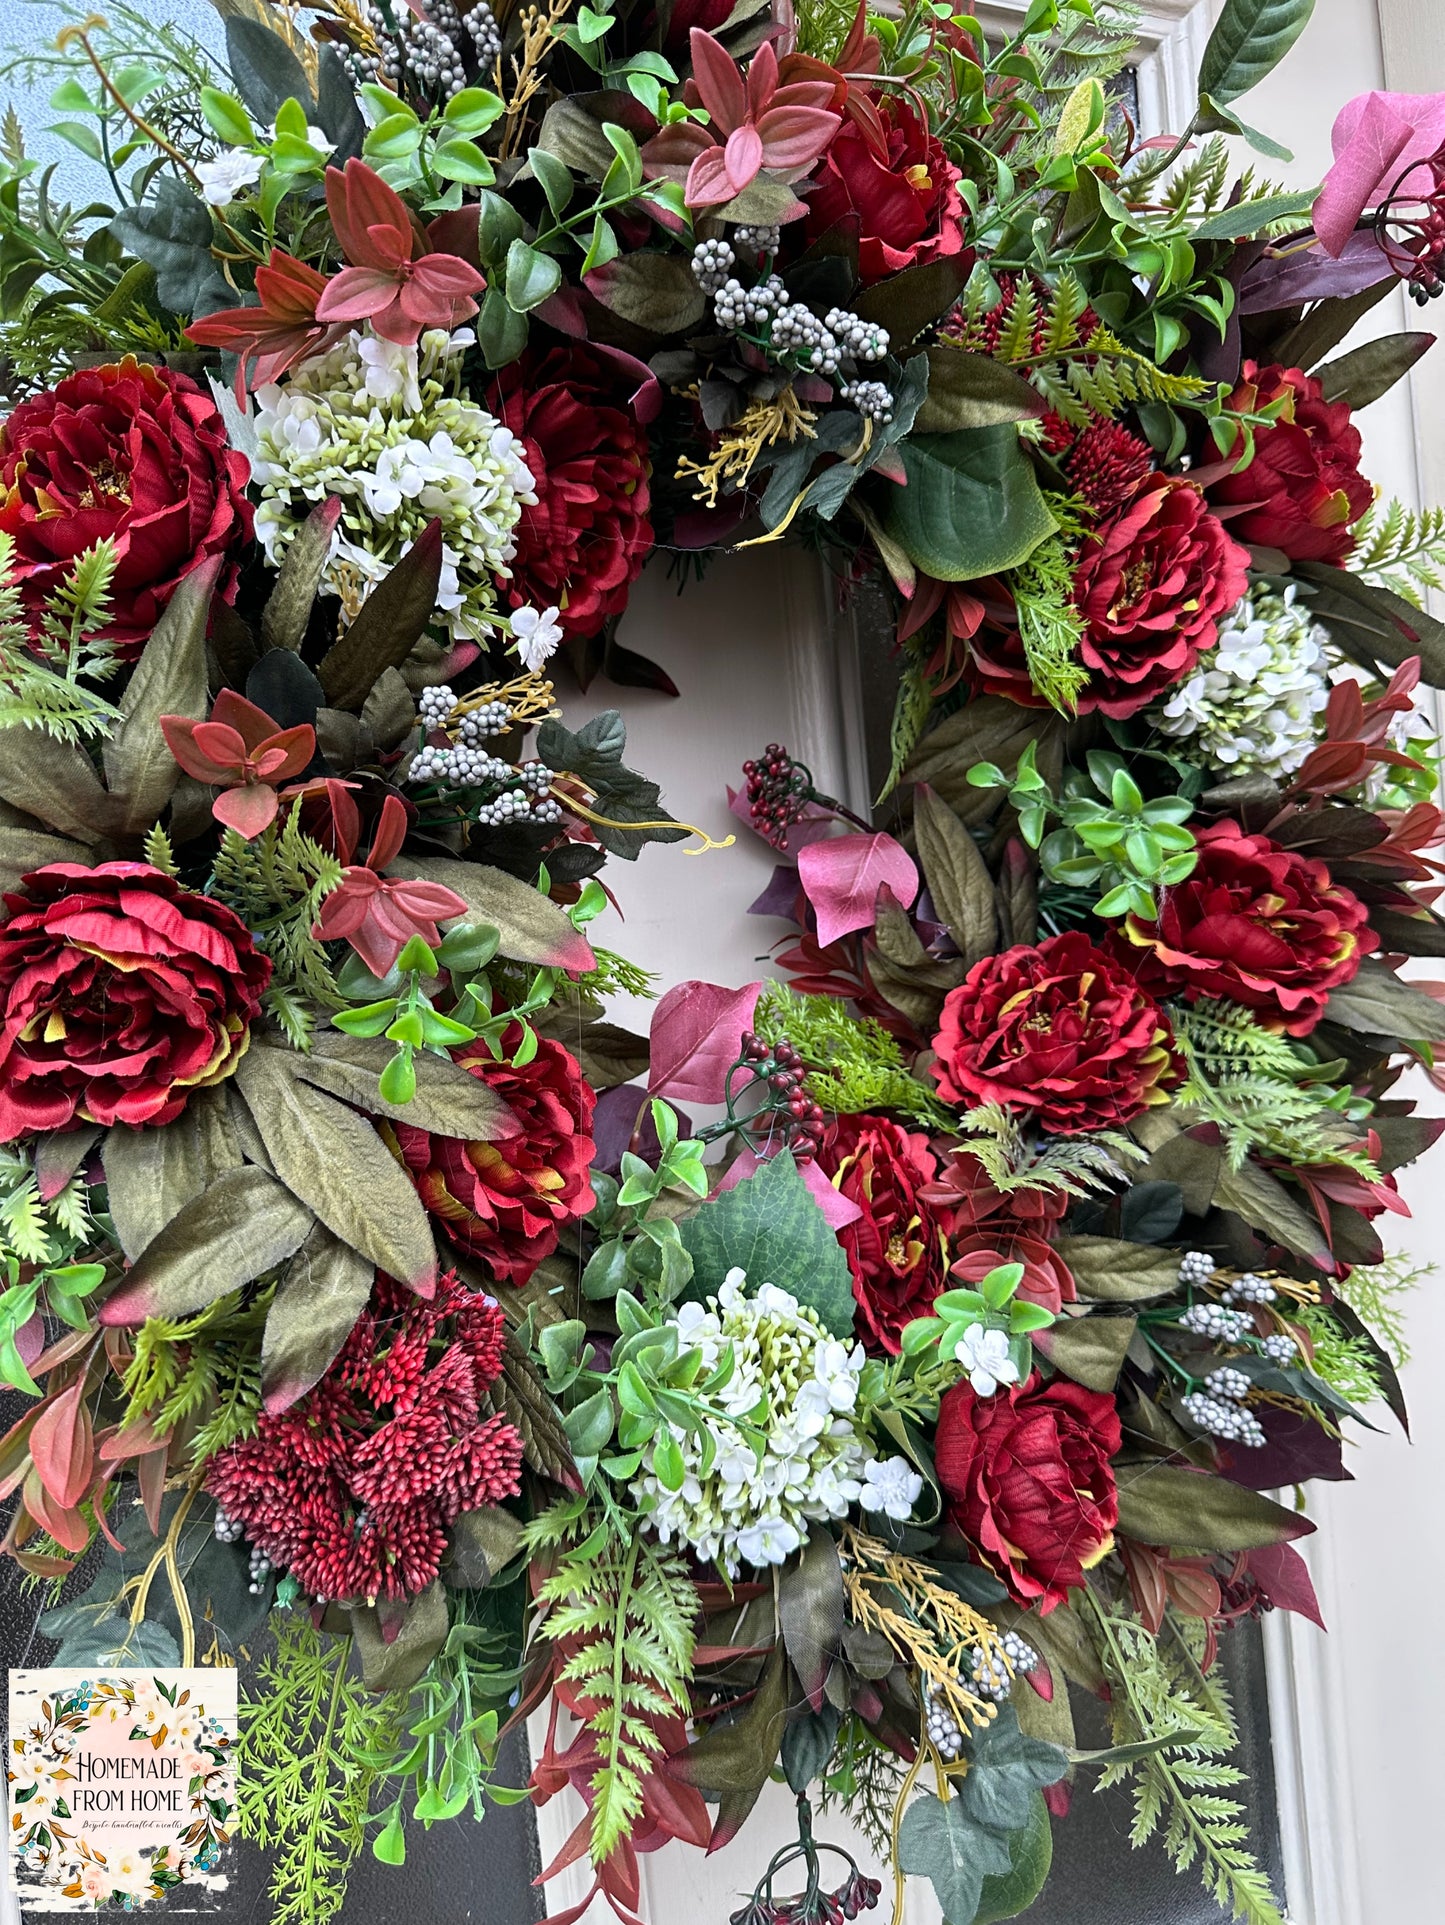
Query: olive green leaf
[[1088, 1349], [151, 1174], [1111, 1271], [323, 1292], [810, 1611], [395, 1663], [1380, 1003], [531, 926], [170, 679], [449, 1101], [235, 1231], [957, 877], [1161, 1504]]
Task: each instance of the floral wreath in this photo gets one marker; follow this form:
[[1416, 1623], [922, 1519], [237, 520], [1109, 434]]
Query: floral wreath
[[43, 1843], [382, 1310]]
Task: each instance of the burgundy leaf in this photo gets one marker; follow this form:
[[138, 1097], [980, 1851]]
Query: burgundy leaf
[[842, 878], [697, 1032]]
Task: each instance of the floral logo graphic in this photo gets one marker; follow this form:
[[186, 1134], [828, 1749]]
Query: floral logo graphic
[[121, 1785]]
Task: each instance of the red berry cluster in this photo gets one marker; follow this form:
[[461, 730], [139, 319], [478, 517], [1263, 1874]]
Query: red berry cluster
[[787, 1106], [1411, 228], [857, 1894], [778, 790]]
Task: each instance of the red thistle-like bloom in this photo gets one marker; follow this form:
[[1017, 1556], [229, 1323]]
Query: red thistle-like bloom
[[353, 1488], [895, 1249], [392, 282], [122, 992], [240, 751], [1106, 465], [896, 181], [1303, 490], [506, 1201], [278, 333], [1028, 1480], [1254, 924], [1151, 585], [582, 544], [1060, 1031], [129, 454]]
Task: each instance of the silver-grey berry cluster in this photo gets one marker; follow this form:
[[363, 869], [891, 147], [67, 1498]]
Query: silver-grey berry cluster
[[426, 54], [989, 1676], [757, 240], [460, 767], [1021, 1656], [944, 1731], [481, 23], [1231, 1421], [1281, 1349], [798, 334], [735, 306], [1196, 1267], [712, 263], [535, 776], [516, 805], [260, 1573], [872, 399], [480, 725], [435, 704], [1250, 1289], [227, 1530], [864, 340], [1228, 1382], [1213, 1320]]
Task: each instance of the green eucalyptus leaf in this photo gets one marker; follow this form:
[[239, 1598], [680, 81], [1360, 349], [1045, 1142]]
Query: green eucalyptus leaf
[[1249, 40]]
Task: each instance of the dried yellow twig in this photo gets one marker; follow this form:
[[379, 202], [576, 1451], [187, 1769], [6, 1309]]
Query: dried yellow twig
[[764, 425]]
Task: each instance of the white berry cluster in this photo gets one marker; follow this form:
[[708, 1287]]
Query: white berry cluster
[[386, 429], [798, 335], [425, 53], [1221, 1417], [1252, 703], [1280, 1349], [712, 264], [516, 805], [1228, 1382], [757, 240], [991, 1674], [944, 1731], [1196, 1267], [735, 306], [872, 399], [457, 767], [814, 1465], [864, 340], [1251, 1289], [1214, 1321]]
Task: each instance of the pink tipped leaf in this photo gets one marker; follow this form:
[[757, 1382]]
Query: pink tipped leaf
[[842, 876]]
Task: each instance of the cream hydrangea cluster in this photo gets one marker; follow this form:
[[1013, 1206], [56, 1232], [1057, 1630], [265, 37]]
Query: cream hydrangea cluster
[[1252, 703], [799, 1386], [386, 428]]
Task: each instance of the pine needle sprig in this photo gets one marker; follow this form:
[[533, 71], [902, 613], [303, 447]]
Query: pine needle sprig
[[629, 1605], [853, 1063], [307, 1727], [1159, 1692]]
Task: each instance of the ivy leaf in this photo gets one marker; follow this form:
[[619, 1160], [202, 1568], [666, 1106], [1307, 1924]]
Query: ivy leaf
[[172, 232], [594, 754], [972, 505], [1250, 39], [942, 1844], [769, 1227]]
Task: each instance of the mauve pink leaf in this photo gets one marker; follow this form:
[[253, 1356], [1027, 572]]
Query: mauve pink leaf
[[742, 157], [30, 1339], [1369, 138], [60, 1445], [708, 180], [356, 293], [795, 136], [718, 81], [837, 1208], [697, 1032], [248, 810], [445, 274], [670, 153], [842, 877], [1284, 1577]]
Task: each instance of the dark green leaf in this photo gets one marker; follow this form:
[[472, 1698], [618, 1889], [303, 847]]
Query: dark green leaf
[[531, 278], [323, 1292], [574, 136], [288, 607], [1161, 1504], [1380, 1003], [1372, 624], [1249, 40], [334, 1161], [265, 70], [398, 1664], [392, 620], [957, 877], [501, 330], [1267, 1206], [909, 302], [808, 1745], [484, 1542], [1367, 372], [1111, 1271], [172, 232], [1088, 1349], [810, 1611], [242, 1226], [972, 505], [1031, 1853], [170, 679], [658, 292], [769, 1227], [737, 1757], [973, 391]]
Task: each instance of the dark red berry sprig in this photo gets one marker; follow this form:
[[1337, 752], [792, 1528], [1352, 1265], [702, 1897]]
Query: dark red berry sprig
[[778, 793], [1410, 227], [785, 1108]]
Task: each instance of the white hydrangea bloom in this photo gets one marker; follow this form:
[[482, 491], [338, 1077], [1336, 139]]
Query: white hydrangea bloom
[[229, 174], [386, 428], [751, 1510], [892, 1486], [536, 632], [984, 1354], [1253, 701]]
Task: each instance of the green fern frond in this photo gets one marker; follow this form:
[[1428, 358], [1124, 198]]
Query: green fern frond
[[910, 712], [632, 1604], [1051, 626], [39, 672], [36, 1232], [277, 883], [202, 1370], [158, 851], [1400, 548], [854, 1064], [1077, 1166], [1260, 1092]]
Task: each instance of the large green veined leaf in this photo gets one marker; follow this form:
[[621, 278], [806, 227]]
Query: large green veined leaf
[[1250, 39], [972, 505]]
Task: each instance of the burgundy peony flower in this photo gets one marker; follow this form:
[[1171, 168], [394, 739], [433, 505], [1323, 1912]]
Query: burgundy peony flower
[[122, 991], [1060, 1031], [1047, 1279], [1303, 490], [136, 455], [581, 547], [504, 1201], [353, 1488], [904, 193], [1151, 584], [895, 1249], [1255, 924], [1027, 1476]]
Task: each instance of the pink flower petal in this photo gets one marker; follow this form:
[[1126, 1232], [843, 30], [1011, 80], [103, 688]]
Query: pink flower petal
[[357, 293], [842, 877], [697, 1032], [248, 810]]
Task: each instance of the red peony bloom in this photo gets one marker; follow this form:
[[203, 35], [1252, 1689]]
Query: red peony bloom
[[1060, 1031], [135, 455], [903, 192], [1255, 924], [1027, 1476], [504, 1201], [1151, 585], [1047, 1279], [1303, 490], [353, 1488], [122, 991], [895, 1249], [582, 545]]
